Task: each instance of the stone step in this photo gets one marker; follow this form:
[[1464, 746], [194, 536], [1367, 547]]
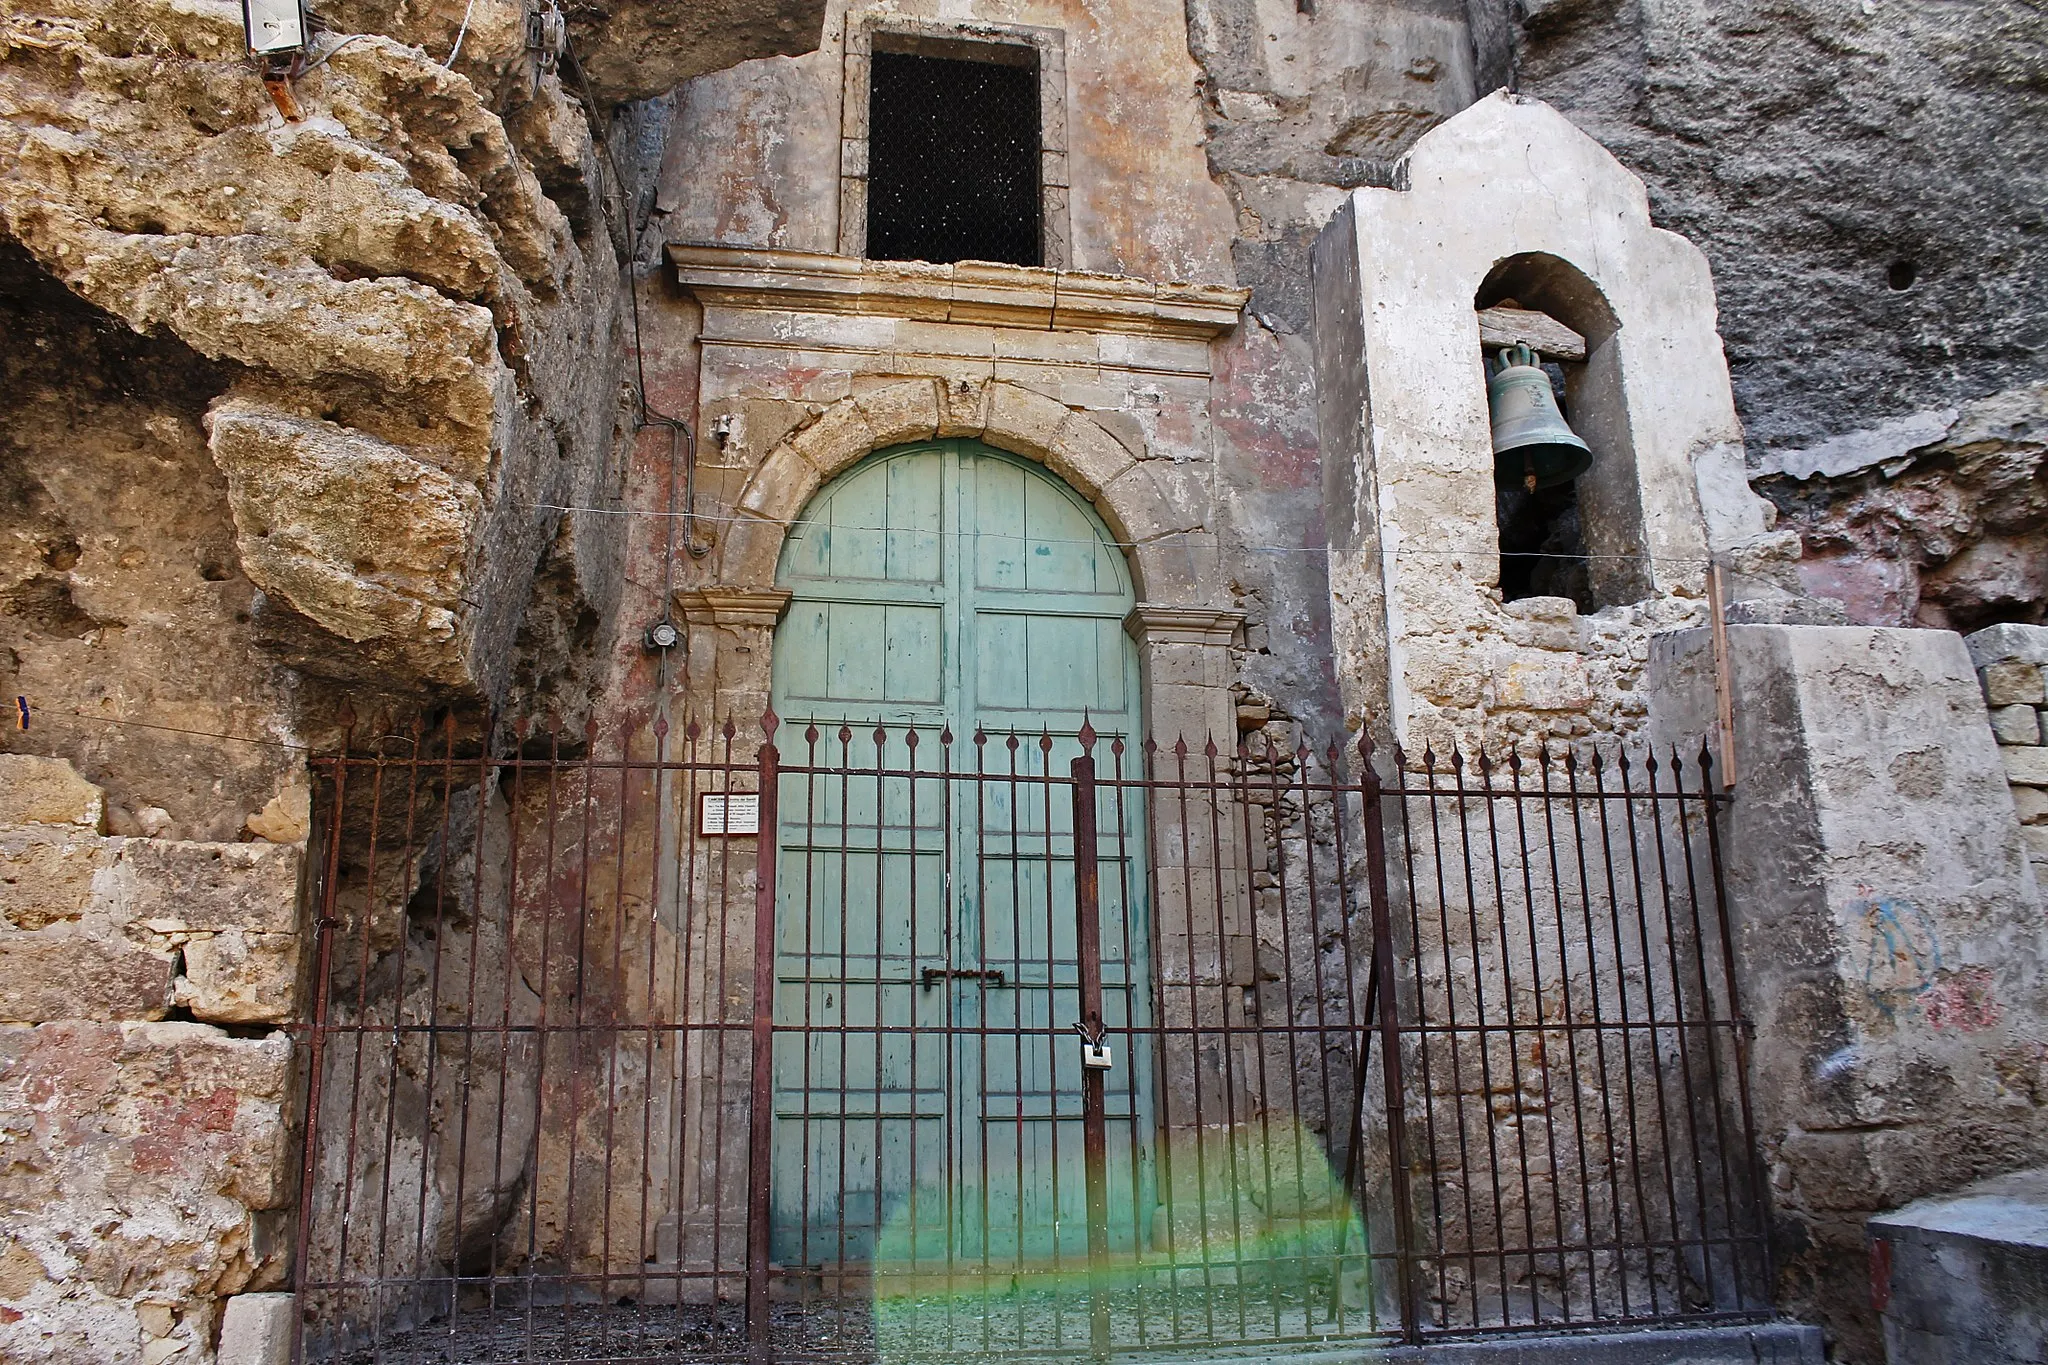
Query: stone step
[[1962, 1279]]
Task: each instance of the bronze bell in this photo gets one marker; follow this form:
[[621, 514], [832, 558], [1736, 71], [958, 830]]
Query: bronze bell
[[1532, 446]]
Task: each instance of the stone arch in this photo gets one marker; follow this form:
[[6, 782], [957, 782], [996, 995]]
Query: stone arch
[[1149, 516]]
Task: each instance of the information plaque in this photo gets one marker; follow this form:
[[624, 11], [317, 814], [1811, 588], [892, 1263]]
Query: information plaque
[[728, 813]]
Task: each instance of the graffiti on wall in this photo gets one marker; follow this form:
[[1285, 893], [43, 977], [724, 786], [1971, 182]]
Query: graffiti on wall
[[1903, 970]]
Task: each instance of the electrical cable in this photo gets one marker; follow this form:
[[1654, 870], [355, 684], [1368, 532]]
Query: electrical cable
[[976, 532], [648, 414], [323, 58], [460, 34], [41, 713]]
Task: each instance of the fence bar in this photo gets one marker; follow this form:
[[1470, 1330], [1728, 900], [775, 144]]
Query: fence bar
[[1094, 1121], [1390, 1042], [914, 1172], [761, 1115]]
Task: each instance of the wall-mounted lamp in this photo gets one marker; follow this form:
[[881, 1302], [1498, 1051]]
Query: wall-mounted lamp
[[274, 27], [277, 34]]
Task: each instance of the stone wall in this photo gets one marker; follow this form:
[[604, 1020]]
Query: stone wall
[[2010, 662], [1886, 925], [145, 1088]]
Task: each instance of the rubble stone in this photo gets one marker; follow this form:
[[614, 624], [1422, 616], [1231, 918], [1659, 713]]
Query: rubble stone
[[2012, 684], [48, 791], [137, 1156], [2019, 724], [2026, 765]]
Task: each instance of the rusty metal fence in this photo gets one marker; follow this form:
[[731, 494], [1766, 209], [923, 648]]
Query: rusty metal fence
[[888, 1044]]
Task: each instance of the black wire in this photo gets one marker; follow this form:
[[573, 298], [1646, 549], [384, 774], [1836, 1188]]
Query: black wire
[[648, 414]]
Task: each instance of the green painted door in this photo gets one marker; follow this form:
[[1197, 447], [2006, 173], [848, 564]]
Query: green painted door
[[928, 1082]]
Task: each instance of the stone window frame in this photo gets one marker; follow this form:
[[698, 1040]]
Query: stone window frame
[[954, 39]]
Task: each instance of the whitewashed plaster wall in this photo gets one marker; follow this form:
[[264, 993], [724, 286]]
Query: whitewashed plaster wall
[[1423, 638]]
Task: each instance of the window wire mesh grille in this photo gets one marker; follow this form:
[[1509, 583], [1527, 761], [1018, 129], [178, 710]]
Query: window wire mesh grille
[[953, 152]]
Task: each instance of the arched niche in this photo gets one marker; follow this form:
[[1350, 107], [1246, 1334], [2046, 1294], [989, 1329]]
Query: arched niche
[[1607, 498]]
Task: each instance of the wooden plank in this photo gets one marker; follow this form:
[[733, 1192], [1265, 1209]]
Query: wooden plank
[[1540, 332]]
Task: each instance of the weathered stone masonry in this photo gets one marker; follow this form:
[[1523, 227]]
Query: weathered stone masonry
[[291, 408]]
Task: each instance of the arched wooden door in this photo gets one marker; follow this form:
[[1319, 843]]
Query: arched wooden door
[[928, 1082]]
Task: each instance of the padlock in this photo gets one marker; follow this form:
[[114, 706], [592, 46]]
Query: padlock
[[1095, 1056]]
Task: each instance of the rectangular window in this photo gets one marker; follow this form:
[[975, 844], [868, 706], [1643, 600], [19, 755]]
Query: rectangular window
[[953, 156]]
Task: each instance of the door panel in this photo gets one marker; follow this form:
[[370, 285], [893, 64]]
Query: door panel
[[925, 1110]]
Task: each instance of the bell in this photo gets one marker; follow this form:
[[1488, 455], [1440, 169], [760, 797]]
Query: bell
[[1532, 446]]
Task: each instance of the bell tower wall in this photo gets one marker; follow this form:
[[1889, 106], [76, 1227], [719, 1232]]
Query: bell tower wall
[[1507, 196]]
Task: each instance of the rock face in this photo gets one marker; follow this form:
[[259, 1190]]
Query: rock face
[[1882, 165], [1868, 184], [1950, 533], [417, 348]]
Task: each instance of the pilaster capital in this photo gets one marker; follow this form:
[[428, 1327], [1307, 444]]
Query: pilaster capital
[[1154, 624], [736, 608]]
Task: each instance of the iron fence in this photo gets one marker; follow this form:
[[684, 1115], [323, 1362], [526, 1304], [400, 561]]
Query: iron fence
[[906, 1044]]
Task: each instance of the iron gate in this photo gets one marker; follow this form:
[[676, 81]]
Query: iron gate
[[1239, 1046]]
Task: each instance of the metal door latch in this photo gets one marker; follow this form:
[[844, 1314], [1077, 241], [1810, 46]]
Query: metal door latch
[[932, 976], [1095, 1055]]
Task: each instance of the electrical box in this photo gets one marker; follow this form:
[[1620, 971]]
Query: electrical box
[[274, 25]]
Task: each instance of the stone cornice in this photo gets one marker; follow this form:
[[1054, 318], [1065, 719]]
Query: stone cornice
[[1163, 625], [722, 606], [977, 293]]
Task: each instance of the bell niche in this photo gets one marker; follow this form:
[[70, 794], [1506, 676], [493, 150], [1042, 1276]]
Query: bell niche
[[1566, 502]]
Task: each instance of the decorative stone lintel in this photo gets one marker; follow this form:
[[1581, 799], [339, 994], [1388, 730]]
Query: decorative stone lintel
[[1150, 624], [760, 608], [977, 293]]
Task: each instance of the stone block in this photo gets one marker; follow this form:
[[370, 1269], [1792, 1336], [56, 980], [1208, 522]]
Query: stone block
[[170, 885], [2016, 724], [2036, 837], [46, 877], [2032, 805], [1022, 421], [1085, 455], [67, 971], [1966, 1274], [2012, 684], [1557, 683], [2008, 643], [256, 1329], [48, 791], [900, 412], [840, 436], [233, 977], [784, 482], [1142, 503], [963, 407], [2026, 766]]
